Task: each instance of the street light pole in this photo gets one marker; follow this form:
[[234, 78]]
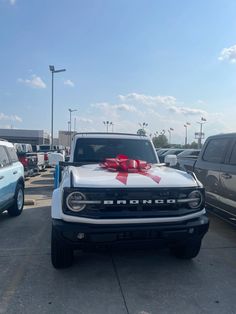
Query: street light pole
[[170, 130], [71, 110], [186, 133], [52, 110], [68, 133], [107, 123], [52, 69], [203, 120]]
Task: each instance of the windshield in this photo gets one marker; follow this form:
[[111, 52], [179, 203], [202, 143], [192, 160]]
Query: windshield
[[97, 150]]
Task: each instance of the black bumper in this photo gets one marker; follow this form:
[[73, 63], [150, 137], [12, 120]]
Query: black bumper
[[82, 235]]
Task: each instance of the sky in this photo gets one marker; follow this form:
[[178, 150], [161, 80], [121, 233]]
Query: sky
[[161, 62]]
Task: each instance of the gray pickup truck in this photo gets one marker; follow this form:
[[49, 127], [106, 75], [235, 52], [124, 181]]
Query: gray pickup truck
[[216, 170]]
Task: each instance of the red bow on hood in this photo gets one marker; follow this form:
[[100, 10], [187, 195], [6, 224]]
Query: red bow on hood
[[123, 165]]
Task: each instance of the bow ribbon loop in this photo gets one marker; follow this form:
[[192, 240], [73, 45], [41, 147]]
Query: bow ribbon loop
[[123, 165]]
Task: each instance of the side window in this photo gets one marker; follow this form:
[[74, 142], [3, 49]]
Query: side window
[[4, 160], [12, 153], [215, 150], [232, 160]]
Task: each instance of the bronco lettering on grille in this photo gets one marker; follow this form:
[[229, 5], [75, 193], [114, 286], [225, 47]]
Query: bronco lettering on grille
[[136, 202]]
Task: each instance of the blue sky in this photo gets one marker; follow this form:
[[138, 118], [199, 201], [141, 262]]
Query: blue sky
[[128, 61]]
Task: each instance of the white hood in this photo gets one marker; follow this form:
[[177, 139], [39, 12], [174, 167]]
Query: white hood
[[158, 176]]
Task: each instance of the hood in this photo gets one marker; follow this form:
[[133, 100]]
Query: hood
[[158, 176]]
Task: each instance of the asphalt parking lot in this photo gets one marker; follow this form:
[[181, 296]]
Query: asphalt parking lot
[[136, 280]]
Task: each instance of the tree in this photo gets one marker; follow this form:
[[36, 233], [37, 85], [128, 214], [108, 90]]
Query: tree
[[160, 141], [141, 132], [194, 145]]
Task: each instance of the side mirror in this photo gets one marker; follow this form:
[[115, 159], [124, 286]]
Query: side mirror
[[170, 160]]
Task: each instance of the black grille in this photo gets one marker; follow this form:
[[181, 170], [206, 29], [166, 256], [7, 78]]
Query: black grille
[[140, 210]]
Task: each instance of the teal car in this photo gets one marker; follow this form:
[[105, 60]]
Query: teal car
[[11, 180]]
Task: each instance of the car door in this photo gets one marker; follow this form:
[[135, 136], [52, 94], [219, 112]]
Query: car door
[[5, 177], [16, 170], [208, 167], [228, 183]]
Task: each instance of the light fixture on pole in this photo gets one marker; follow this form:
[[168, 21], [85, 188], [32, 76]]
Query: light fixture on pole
[[201, 134], [52, 69], [143, 125], [107, 123], [70, 111], [186, 133]]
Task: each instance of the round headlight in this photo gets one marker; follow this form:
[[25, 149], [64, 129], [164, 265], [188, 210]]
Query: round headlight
[[74, 201], [195, 199]]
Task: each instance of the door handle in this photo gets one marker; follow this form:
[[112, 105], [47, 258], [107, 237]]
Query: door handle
[[1, 177], [226, 176], [15, 172]]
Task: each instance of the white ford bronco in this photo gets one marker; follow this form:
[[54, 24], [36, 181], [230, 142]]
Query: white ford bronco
[[114, 189]]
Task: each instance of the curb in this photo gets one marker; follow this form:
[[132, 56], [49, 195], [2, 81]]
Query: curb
[[29, 202]]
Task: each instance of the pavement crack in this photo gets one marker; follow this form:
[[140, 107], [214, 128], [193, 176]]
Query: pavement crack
[[119, 282]]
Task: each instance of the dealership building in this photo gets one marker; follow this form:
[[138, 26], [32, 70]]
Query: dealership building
[[34, 137], [64, 138]]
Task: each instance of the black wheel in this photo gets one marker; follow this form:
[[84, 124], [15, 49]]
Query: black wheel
[[188, 250], [61, 254], [17, 207]]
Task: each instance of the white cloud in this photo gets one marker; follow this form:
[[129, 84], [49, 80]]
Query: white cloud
[[35, 82], [10, 118], [148, 100], [69, 83], [125, 107], [187, 111], [122, 107], [228, 54], [84, 120], [12, 2]]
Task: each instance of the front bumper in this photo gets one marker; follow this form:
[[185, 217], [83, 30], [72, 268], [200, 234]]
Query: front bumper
[[82, 235]]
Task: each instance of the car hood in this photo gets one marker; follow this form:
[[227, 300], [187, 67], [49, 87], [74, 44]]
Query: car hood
[[158, 176]]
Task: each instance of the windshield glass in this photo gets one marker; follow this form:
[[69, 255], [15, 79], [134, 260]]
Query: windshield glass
[[98, 149]]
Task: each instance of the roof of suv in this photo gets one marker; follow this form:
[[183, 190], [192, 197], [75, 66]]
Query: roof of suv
[[223, 135], [110, 135], [5, 143]]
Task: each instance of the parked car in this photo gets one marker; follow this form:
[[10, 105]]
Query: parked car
[[11, 180], [216, 169], [186, 158], [161, 151], [171, 151], [40, 158], [114, 190], [28, 161]]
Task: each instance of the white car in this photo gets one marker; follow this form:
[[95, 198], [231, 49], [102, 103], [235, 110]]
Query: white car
[[114, 190], [11, 180]]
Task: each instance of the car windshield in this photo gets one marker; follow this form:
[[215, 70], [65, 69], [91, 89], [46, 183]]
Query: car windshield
[[98, 149]]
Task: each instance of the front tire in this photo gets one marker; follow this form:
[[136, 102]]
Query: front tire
[[61, 254], [188, 250], [17, 207]]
